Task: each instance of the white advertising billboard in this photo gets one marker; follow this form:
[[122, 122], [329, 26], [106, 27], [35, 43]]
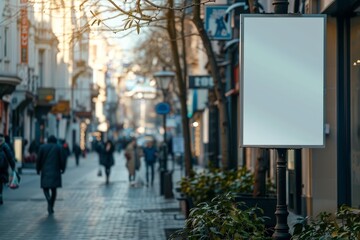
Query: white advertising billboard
[[282, 80]]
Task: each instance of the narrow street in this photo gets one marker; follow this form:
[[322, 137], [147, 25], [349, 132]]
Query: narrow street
[[87, 208]]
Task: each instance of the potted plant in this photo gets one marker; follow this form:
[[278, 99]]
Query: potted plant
[[223, 218], [204, 186], [345, 224]]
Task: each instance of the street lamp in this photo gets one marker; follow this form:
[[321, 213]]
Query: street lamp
[[163, 80]]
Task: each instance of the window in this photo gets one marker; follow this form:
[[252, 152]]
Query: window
[[6, 40], [41, 68]]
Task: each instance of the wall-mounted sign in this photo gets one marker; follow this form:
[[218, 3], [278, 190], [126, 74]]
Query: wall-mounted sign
[[62, 106], [46, 94], [201, 81], [215, 25], [282, 81], [24, 32], [162, 108]]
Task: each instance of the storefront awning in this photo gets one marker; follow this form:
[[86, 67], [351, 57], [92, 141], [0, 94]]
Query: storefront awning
[[8, 84], [21, 98]]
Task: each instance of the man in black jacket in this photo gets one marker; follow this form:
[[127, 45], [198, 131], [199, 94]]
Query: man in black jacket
[[51, 164]]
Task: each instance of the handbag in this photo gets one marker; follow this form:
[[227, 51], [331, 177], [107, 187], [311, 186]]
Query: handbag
[[99, 173], [14, 182]]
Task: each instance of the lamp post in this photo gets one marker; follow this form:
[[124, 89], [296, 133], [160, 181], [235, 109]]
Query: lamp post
[[163, 80]]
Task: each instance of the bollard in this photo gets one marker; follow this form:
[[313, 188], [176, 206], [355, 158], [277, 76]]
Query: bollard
[[168, 185]]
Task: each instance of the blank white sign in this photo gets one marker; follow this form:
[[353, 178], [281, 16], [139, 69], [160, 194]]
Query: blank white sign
[[282, 81]]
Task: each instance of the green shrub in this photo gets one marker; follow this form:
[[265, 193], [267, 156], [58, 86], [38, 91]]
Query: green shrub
[[221, 219], [204, 186], [344, 225]]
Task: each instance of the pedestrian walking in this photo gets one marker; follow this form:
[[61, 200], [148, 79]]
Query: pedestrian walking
[[77, 153], [6, 159], [150, 157], [107, 158], [34, 147], [132, 154], [50, 164], [99, 148]]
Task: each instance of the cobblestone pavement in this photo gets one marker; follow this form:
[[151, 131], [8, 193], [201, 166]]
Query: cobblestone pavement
[[87, 208]]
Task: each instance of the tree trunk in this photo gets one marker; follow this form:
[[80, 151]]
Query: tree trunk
[[218, 86], [182, 88]]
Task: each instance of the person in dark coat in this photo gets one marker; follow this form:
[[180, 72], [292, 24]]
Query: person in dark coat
[[6, 154], [150, 157], [50, 164], [77, 152], [107, 158], [34, 147]]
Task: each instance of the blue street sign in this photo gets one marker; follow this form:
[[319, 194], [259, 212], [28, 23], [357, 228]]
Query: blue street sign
[[162, 108], [215, 25]]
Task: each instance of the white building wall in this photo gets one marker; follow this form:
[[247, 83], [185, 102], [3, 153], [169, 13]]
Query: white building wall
[[8, 36]]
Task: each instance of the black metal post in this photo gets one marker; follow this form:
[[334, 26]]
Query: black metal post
[[281, 213], [163, 159], [164, 144]]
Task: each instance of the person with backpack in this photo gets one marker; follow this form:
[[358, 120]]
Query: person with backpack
[[150, 156], [6, 159], [50, 164]]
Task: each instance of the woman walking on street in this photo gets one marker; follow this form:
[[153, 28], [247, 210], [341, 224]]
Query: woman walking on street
[[107, 158], [6, 159], [132, 155], [50, 164]]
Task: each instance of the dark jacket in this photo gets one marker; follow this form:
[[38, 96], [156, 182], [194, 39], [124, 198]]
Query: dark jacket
[[50, 163], [77, 150], [107, 156], [150, 155], [9, 156]]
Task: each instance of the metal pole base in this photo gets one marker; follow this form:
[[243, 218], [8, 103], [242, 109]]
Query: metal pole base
[[281, 213]]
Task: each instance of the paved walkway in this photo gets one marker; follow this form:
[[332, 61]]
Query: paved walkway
[[87, 208]]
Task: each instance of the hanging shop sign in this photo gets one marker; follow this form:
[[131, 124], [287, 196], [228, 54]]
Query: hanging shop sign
[[61, 107], [24, 32], [201, 81]]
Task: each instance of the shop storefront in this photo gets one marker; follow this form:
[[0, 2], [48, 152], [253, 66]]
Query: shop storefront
[[354, 63], [344, 33]]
